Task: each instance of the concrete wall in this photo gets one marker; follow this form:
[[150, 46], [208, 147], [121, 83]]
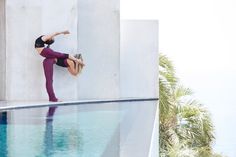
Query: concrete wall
[[97, 29], [139, 58], [26, 20], [2, 50], [25, 80], [98, 41], [95, 33]]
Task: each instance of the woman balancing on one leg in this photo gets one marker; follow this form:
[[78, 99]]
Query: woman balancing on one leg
[[73, 64]]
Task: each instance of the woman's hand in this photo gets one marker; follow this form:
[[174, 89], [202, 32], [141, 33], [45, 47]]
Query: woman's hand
[[65, 32]]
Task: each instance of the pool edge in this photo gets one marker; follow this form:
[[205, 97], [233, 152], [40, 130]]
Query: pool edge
[[65, 103]]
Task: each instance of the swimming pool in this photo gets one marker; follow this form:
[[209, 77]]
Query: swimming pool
[[121, 129]]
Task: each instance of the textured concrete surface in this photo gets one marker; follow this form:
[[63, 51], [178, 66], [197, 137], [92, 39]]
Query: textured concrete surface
[[97, 29], [139, 58], [24, 75], [26, 20], [2, 50], [98, 41]]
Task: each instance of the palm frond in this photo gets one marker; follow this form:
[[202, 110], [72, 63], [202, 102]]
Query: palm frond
[[186, 128]]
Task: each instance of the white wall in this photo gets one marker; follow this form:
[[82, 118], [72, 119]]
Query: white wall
[[98, 41], [26, 20], [2, 50], [24, 70], [98, 34], [98, 29], [139, 58]]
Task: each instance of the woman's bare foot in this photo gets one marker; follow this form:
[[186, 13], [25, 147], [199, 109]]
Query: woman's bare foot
[[80, 59], [80, 62], [54, 100]]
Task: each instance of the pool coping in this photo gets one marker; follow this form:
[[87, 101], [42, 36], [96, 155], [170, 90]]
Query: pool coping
[[11, 105]]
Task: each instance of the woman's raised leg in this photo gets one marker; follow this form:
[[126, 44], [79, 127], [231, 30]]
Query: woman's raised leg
[[49, 53]]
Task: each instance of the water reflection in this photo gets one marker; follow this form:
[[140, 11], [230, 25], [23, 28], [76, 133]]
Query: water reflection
[[104, 130], [48, 137], [62, 135], [3, 134]]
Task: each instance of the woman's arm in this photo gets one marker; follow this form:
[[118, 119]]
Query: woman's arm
[[51, 36]]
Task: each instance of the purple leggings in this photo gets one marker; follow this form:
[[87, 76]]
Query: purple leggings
[[49, 53], [48, 62], [48, 72]]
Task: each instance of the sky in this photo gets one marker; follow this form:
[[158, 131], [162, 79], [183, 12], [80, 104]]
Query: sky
[[138, 9], [200, 38]]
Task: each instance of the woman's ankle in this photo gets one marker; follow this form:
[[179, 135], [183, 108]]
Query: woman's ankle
[[53, 100]]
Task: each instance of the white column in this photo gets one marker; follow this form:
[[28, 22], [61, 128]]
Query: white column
[[139, 58], [98, 41]]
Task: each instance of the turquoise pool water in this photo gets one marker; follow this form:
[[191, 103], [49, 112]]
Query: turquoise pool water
[[93, 130]]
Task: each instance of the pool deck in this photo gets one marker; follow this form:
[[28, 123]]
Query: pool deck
[[11, 105]]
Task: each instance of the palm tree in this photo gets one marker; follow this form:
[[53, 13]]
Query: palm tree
[[168, 121], [186, 129]]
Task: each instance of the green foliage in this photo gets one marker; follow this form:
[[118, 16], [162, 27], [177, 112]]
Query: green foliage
[[186, 128]]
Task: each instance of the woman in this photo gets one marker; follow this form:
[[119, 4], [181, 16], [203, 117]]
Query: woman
[[73, 64]]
